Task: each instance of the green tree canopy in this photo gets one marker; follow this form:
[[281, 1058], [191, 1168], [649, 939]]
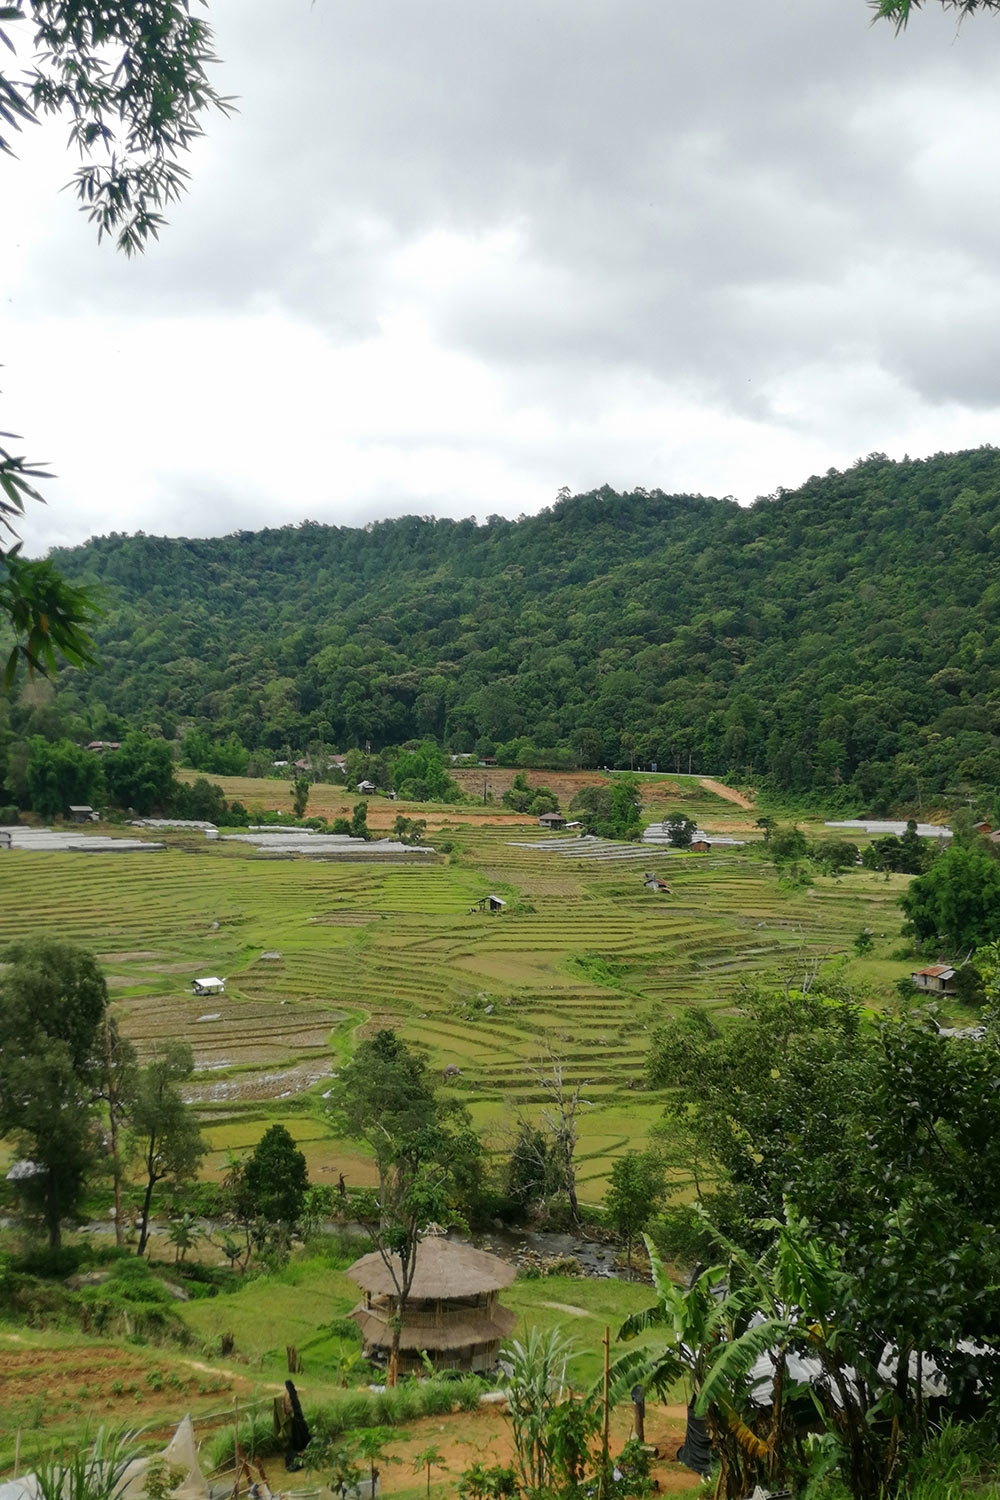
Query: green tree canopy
[[60, 775], [141, 774], [635, 1191], [163, 1129], [423, 1148], [276, 1177], [885, 1135], [957, 902], [52, 1005]]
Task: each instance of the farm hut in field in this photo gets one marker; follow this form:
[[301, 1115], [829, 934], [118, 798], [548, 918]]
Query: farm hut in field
[[209, 985], [653, 883], [551, 820], [82, 814], [366, 788], [452, 1313], [936, 979], [700, 846], [492, 903]]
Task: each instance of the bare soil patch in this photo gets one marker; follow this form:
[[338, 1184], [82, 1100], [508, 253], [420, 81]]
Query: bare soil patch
[[500, 779], [729, 793], [484, 1436]]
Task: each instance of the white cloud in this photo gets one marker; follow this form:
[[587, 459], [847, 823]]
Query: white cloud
[[448, 258]]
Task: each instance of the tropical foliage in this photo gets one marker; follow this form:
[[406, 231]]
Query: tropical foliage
[[837, 639]]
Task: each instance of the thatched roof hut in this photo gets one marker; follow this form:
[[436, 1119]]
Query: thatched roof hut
[[452, 1313]]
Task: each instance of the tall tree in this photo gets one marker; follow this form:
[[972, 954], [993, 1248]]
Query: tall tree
[[276, 1177], [558, 1120], [385, 1097], [52, 1005], [635, 1191], [163, 1129]]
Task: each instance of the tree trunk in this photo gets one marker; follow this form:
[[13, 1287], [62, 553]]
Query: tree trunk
[[574, 1207], [52, 1216], [392, 1371], [113, 1123], [144, 1219]]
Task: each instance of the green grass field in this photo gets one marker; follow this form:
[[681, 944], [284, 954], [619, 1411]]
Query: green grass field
[[583, 963]]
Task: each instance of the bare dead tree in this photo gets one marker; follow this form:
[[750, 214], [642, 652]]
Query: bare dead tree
[[558, 1119]]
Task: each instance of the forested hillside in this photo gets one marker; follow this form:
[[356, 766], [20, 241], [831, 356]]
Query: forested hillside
[[843, 635]]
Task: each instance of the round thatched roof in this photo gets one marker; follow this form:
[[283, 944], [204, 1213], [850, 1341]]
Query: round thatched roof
[[444, 1269]]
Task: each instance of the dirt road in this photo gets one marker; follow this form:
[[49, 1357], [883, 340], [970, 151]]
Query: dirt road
[[728, 792]]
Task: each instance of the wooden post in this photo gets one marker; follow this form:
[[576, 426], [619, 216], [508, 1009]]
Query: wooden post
[[639, 1410], [236, 1445], [17, 1454], [606, 1434]]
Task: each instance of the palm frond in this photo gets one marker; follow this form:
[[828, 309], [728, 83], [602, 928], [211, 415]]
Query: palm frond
[[734, 1360]]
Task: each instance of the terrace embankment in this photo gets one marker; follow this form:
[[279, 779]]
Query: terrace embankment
[[583, 961]]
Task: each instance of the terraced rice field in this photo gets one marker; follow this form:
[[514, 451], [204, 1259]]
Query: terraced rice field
[[583, 962]]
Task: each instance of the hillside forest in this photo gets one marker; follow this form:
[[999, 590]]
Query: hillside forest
[[837, 641]]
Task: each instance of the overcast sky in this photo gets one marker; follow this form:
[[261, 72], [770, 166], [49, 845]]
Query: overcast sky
[[454, 254]]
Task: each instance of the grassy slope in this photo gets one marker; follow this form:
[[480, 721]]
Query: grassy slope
[[57, 1383]]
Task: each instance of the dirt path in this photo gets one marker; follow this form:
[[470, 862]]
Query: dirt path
[[485, 1435], [729, 793]]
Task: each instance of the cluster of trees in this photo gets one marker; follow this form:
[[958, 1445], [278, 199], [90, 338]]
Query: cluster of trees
[[850, 1171], [522, 798], [65, 1074], [838, 639], [80, 1107], [612, 812], [139, 777]]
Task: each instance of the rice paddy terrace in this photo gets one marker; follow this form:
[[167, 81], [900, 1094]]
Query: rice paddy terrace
[[581, 963]]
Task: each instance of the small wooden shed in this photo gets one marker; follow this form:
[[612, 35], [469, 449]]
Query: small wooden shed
[[209, 985], [936, 979], [452, 1313], [551, 820]]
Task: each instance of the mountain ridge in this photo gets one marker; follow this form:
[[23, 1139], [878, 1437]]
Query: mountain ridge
[[839, 637]]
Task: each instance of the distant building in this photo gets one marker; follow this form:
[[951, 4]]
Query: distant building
[[652, 883], [82, 814], [366, 788], [210, 985], [700, 846], [488, 903], [936, 979], [100, 746], [551, 820]]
